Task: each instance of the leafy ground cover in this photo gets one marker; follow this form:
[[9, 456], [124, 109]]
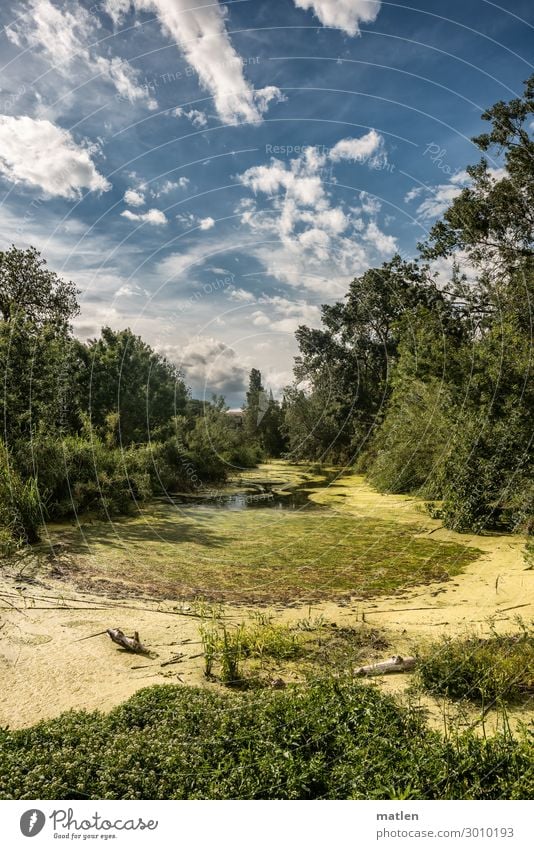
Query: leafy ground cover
[[330, 739]]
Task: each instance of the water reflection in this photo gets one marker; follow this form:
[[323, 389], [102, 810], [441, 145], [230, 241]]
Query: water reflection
[[262, 496]]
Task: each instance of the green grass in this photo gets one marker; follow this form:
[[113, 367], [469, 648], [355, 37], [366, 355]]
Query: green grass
[[333, 739], [499, 669], [258, 651], [258, 556]]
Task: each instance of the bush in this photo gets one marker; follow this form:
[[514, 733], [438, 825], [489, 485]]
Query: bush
[[334, 739], [498, 669], [411, 437], [21, 507], [260, 639]]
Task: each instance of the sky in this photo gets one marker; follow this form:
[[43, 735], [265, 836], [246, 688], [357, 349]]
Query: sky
[[209, 174]]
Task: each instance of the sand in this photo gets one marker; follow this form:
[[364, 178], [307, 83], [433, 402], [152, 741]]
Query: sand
[[44, 671]]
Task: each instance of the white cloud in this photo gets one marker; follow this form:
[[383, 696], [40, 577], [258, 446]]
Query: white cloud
[[357, 150], [153, 216], [342, 14], [134, 198], [201, 35], [170, 186], [284, 315], [40, 154], [438, 198], [197, 118], [314, 243], [241, 296], [61, 33], [383, 243], [190, 221]]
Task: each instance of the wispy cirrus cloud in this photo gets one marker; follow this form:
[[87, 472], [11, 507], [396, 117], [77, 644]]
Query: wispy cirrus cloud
[[63, 32]]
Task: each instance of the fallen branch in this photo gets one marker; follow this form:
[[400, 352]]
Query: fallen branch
[[132, 644], [90, 637], [177, 659], [394, 664]]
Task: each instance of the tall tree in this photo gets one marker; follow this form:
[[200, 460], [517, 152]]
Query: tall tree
[[129, 388], [29, 289]]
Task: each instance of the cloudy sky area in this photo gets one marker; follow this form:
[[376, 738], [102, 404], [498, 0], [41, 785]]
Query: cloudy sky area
[[210, 174]]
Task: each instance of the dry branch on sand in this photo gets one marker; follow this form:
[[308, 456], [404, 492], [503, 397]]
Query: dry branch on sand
[[132, 644], [394, 664]]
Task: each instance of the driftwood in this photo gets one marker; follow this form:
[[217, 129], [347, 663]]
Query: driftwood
[[132, 644], [394, 664]]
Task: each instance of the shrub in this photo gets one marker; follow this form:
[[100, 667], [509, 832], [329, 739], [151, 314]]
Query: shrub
[[21, 508], [334, 739], [498, 669]]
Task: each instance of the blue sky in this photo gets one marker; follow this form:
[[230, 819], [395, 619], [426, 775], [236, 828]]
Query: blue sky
[[210, 174]]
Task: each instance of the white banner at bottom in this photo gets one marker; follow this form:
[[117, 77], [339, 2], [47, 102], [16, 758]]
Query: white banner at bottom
[[269, 825]]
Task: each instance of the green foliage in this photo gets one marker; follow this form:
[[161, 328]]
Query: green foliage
[[126, 379], [28, 288], [21, 508], [262, 426], [499, 669], [412, 438], [260, 639], [333, 739]]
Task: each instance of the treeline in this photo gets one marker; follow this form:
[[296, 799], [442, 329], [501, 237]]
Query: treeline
[[427, 385], [95, 426]]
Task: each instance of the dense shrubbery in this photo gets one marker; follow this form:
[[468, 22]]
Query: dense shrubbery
[[331, 740], [499, 669]]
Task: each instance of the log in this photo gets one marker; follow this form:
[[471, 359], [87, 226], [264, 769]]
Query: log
[[394, 664], [132, 644]]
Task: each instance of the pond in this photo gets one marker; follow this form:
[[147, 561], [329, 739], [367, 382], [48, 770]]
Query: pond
[[274, 495]]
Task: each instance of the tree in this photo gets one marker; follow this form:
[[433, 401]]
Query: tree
[[347, 362], [129, 387], [263, 418], [29, 289], [492, 220]]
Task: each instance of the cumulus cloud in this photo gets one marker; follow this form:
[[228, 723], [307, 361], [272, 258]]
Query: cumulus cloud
[[200, 33], [209, 365], [38, 153], [187, 219], [133, 197], [343, 14], [241, 296], [284, 315], [61, 33], [315, 243], [153, 216], [358, 150]]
